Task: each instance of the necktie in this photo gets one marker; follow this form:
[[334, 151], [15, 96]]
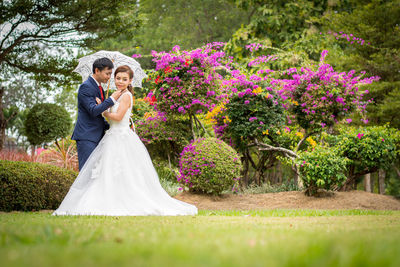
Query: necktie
[[101, 93]]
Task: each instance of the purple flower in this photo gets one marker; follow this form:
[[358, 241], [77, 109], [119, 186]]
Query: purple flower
[[252, 118]]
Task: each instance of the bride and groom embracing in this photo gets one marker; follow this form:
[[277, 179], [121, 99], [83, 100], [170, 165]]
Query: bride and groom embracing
[[117, 176]]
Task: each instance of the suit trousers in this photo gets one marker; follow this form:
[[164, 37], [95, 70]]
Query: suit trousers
[[84, 148]]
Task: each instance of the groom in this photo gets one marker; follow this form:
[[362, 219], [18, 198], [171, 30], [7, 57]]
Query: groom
[[90, 125]]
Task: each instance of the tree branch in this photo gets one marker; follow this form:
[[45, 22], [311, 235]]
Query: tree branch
[[263, 146], [202, 126], [251, 160], [14, 26], [302, 140]]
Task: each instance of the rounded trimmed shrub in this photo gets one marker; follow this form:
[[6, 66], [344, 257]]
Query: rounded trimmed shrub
[[209, 165], [47, 122], [27, 186], [321, 168]]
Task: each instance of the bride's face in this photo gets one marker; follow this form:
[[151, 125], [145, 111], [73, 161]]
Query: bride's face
[[122, 80]]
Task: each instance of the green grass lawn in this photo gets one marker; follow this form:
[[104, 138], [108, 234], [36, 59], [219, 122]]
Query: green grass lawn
[[213, 238]]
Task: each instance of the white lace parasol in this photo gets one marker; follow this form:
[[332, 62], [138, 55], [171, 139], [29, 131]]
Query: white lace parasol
[[85, 66]]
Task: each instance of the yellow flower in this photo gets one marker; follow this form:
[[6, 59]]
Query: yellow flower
[[257, 90], [210, 117], [267, 95], [265, 132], [278, 132], [227, 120], [311, 142], [299, 134]]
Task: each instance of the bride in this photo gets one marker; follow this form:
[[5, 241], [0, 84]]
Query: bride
[[119, 179]]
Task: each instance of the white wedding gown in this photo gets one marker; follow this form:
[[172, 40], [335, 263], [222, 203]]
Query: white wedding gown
[[119, 179]]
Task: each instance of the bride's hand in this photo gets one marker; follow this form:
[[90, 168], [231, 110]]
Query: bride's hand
[[98, 101], [105, 113]]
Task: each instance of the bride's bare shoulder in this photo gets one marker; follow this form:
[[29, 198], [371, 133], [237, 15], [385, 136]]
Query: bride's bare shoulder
[[126, 96]]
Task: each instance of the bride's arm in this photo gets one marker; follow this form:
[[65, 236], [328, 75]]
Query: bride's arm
[[122, 108]]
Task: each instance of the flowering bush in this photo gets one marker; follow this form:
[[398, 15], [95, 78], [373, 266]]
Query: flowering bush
[[186, 82], [289, 137], [321, 168], [249, 108], [164, 138], [142, 109], [256, 101], [210, 166], [321, 98], [252, 115]]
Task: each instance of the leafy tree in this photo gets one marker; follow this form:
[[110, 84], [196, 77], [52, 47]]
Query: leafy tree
[[377, 24], [280, 21], [187, 23], [38, 36], [33, 30], [47, 122]]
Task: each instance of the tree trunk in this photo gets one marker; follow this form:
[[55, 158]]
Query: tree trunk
[[297, 179], [397, 171], [3, 122], [367, 182], [381, 181], [279, 172], [245, 174], [192, 127]]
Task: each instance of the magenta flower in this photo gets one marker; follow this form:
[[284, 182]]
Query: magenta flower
[[252, 118]]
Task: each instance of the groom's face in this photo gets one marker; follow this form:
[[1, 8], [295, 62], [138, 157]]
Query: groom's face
[[104, 75]]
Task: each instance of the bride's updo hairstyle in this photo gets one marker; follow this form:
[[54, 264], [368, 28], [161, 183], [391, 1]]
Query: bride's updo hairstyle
[[127, 69]]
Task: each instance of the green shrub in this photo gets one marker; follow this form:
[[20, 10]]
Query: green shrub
[[209, 165], [368, 148], [164, 137], [321, 168], [252, 115], [47, 122], [28, 186], [164, 171]]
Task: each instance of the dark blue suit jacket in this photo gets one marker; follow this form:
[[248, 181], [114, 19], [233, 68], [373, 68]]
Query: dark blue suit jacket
[[90, 124]]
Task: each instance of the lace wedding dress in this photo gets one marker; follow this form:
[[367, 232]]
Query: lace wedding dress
[[119, 179]]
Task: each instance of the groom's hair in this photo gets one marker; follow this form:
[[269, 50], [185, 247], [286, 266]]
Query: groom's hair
[[102, 63]]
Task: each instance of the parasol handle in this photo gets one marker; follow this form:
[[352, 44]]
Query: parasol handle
[[109, 81], [108, 87]]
